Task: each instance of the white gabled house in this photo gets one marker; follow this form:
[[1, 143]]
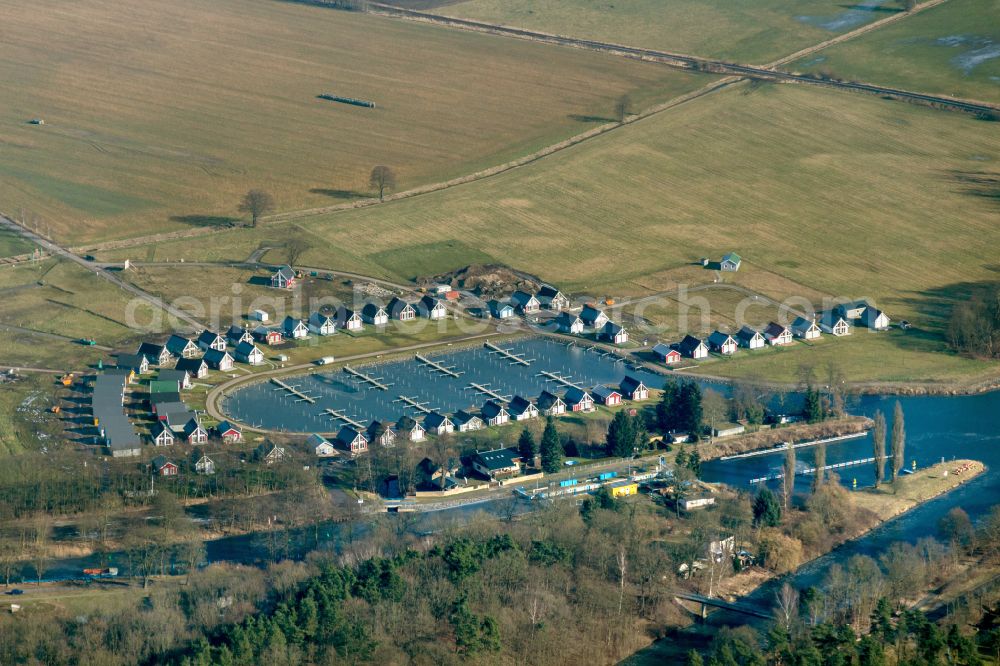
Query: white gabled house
[[593, 317], [219, 360], [524, 302], [750, 338], [723, 343], [181, 347], [161, 434], [569, 323], [322, 324], [633, 388], [374, 314], [730, 263], [194, 432], [381, 434], [211, 340], [467, 422], [204, 465], [410, 429], [401, 310], [875, 319], [352, 440], [549, 404], [614, 333], [237, 334], [805, 328], [196, 367], [438, 423], [432, 308], [692, 347], [551, 298], [833, 323], [320, 446], [494, 413], [294, 329], [283, 278], [349, 320], [249, 353], [522, 409], [156, 354], [777, 335]]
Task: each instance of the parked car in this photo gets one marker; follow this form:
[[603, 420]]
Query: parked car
[[16, 591]]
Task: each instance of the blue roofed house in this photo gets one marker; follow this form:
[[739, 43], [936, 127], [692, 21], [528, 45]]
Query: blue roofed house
[[633, 388], [155, 354], [723, 343], [374, 314], [834, 323], [593, 317], [521, 409], [692, 347], [249, 353], [211, 340], [237, 334], [349, 320], [196, 367], [137, 363], [614, 333], [551, 298], [750, 338], [322, 324], [219, 360], [578, 400], [432, 308], [524, 302], [497, 463], [500, 309], [730, 262], [438, 423], [805, 328], [283, 278], [494, 413], [550, 404], [401, 310], [467, 421], [569, 323], [352, 440], [181, 347], [294, 328], [875, 319]]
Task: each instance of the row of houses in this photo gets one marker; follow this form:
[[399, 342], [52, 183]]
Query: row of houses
[[838, 322], [492, 413], [593, 319], [267, 454]]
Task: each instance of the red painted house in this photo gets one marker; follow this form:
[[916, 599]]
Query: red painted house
[[666, 353]]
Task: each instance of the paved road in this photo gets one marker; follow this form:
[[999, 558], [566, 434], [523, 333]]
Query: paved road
[[684, 61], [114, 279], [21, 368]]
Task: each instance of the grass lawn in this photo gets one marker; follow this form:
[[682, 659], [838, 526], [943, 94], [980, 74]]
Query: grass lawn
[[952, 49], [912, 489], [755, 32], [159, 116], [63, 299], [12, 244], [892, 356]]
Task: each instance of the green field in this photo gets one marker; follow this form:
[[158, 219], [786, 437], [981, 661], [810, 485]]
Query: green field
[[12, 244], [160, 115], [952, 49], [757, 32]]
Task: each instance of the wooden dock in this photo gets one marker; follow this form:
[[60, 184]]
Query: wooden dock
[[410, 402], [299, 395], [434, 365], [559, 379], [507, 354], [485, 390], [368, 379], [337, 414]]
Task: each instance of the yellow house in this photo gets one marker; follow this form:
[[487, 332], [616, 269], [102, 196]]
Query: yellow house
[[624, 488]]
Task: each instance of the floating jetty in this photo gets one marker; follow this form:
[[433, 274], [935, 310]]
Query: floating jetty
[[448, 370], [410, 402], [485, 390], [507, 354], [812, 470], [337, 414], [293, 390], [802, 445], [368, 379], [556, 377]]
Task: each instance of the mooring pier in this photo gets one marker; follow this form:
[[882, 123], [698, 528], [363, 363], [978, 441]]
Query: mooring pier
[[368, 379], [556, 377], [485, 390], [434, 365], [800, 445], [507, 354], [410, 402], [337, 414], [293, 390]]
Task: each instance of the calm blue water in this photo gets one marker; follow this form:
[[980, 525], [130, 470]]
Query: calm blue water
[[265, 405]]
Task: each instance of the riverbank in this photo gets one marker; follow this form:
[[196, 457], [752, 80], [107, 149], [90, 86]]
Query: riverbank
[[912, 490], [771, 437]]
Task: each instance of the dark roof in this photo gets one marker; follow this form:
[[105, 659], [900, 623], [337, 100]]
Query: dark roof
[[397, 305], [773, 330], [245, 348], [802, 324], [498, 459], [215, 356], [519, 405], [159, 462], [159, 427], [290, 323], [208, 337], [496, 306], [225, 426], [191, 426], [590, 314], [347, 434], [150, 350], [603, 392], [630, 384], [689, 344], [131, 361], [435, 420], [492, 409], [831, 317], [164, 398], [746, 334], [663, 348], [547, 399], [575, 395], [106, 403], [462, 417], [192, 365], [428, 303], [236, 332], [376, 429], [548, 292], [718, 338], [177, 343], [406, 423], [372, 310], [286, 272], [567, 318], [611, 329], [521, 298]]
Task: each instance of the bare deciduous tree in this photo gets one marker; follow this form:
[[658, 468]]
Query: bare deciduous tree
[[295, 248], [788, 482], [878, 442], [623, 106], [256, 203], [787, 607], [382, 178]]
